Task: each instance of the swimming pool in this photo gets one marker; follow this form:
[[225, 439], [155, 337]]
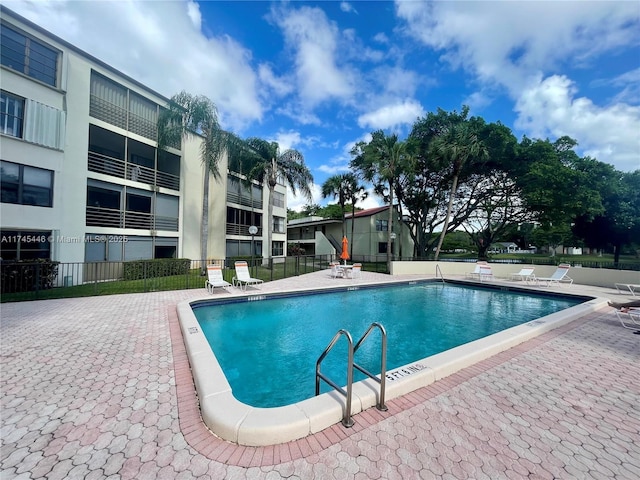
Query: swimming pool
[[244, 424], [268, 349]]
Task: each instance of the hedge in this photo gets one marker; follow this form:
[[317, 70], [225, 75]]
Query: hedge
[[159, 267], [27, 275]]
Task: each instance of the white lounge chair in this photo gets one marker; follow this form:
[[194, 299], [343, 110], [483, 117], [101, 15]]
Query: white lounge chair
[[525, 274], [485, 273], [558, 277], [215, 280], [631, 287], [243, 278], [476, 271], [633, 314]]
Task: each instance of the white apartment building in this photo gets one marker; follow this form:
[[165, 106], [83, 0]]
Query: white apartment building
[[82, 178]]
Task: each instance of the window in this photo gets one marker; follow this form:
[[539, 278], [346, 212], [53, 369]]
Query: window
[[278, 224], [382, 247], [11, 115], [24, 245], [28, 56], [26, 185], [277, 249], [278, 199], [382, 225]]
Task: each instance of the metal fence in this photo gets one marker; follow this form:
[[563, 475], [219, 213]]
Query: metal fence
[[44, 279]]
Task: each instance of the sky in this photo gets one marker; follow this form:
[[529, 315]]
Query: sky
[[320, 76]]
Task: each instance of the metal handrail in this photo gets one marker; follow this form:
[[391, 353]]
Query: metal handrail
[[439, 271], [383, 363], [346, 417]]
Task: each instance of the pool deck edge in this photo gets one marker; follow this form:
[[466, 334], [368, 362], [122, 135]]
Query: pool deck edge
[[246, 426]]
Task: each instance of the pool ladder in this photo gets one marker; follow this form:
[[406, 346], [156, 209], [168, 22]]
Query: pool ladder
[[346, 418]]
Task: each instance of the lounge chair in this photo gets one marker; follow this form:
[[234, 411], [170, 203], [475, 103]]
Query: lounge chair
[[624, 287], [485, 273], [476, 272], [558, 277], [633, 315], [215, 280], [525, 274], [243, 277]]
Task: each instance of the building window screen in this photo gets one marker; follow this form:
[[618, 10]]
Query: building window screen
[[277, 249], [28, 56], [11, 114], [382, 225], [25, 185]]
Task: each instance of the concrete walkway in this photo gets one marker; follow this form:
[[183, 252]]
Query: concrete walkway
[[94, 388]]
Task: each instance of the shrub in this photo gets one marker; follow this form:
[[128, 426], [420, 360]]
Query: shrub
[[28, 275], [159, 267]]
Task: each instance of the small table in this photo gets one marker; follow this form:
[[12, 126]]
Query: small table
[[345, 269]]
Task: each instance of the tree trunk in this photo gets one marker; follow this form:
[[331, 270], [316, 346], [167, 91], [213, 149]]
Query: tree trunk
[[353, 223], [454, 187], [204, 227], [390, 227]]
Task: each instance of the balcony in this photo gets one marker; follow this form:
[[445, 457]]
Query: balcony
[[116, 167], [245, 201], [240, 229], [108, 217]]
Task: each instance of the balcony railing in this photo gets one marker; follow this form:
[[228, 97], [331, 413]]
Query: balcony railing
[[104, 217], [239, 229], [245, 201], [138, 173], [108, 217], [108, 112]]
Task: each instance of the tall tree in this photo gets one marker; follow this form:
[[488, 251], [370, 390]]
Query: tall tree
[[266, 164], [337, 186], [356, 193], [457, 147], [196, 115], [380, 161]]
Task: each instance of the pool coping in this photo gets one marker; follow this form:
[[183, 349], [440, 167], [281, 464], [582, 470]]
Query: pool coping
[[242, 424]]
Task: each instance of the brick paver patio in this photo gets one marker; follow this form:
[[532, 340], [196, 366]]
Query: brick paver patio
[[94, 388]]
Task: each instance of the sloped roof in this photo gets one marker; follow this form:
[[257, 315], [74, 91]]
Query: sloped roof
[[368, 212]]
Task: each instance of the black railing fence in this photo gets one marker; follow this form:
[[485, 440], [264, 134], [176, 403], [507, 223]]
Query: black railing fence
[[44, 279]]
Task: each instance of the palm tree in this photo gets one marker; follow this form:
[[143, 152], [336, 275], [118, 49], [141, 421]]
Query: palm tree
[[337, 186], [356, 193], [266, 164], [196, 115], [457, 147], [380, 161]]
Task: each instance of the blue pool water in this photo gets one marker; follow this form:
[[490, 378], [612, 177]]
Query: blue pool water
[[268, 348]]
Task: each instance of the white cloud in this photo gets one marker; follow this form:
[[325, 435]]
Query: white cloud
[[514, 45], [161, 45], [347, 7], [390, 116], [193, 10], [314, 39], [506, 42], [550, 107]]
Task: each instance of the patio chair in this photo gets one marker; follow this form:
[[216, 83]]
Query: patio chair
[[356, 271], [624, 287], [476, 271], [558, 277], [485, 273], [336, 271], [633, 315], [525, 274], [243, 278], [215, 280]]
